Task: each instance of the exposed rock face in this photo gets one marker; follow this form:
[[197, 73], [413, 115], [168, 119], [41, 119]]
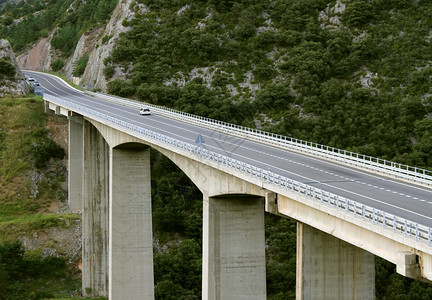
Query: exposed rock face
[[85, 45], [93, 77], [12, 80], [39, 58]]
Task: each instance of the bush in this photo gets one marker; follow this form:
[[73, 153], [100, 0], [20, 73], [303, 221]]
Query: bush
[[108, 72], [66, 39], [120, 88], [106, 39], [80, 65], [357, 13], [45, 151], [57, 64], [6, 68]]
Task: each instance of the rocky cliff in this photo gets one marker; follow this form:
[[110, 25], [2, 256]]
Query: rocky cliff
[[97, 44], [12, 80], [93, 77]]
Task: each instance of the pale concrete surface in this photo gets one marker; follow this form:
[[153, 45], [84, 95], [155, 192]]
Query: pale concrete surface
[[329, 268], [233, 248], [75, 162], [95, 213], [364, 235], [130, 241]]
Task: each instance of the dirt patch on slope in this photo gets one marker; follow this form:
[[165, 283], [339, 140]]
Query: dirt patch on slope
[[38, 59]]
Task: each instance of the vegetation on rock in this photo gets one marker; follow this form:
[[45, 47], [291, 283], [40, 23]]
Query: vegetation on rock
[[352, 74], [29, 185]]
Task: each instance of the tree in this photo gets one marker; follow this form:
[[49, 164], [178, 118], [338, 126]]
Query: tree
[[7, 69], [80, 65], [57, 64]]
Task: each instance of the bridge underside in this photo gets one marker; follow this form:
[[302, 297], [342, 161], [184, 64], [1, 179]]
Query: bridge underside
[[109, 181]]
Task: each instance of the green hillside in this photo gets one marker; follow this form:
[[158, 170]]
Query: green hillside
[[362, 85], [31, 178], [353, 74]]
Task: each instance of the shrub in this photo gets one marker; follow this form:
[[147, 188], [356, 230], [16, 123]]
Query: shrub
[[6, 68], [357, 13], [57, 64], [120, 88], [66, 39], [45, 151], [106, 38], [80, 65], [109, 72]]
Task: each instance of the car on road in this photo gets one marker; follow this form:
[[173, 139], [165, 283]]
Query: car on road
[[31, 79], [36, 83], [145, 111]]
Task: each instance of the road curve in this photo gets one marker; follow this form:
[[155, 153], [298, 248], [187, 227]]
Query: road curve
[[395, 197]]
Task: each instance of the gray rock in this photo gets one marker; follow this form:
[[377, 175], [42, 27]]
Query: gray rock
[[12, 85]]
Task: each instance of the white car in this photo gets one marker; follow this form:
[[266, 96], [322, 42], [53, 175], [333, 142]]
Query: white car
[[31, 79], [145, 111]]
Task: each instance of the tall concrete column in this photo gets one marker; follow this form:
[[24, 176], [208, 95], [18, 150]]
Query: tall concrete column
[[95, 213], [75, 162], [130, 242], [233, 248], [329, 268]]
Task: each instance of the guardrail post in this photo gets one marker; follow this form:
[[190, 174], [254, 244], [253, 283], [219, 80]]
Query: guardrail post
[[430, 239]]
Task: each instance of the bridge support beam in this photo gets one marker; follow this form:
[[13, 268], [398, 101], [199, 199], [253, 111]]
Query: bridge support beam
[[130, 241], [75, 162], [233, 248], [329, 268], [95, 213]]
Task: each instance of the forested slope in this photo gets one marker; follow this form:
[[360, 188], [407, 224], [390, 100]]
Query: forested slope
[[353, 75], [350, 74]]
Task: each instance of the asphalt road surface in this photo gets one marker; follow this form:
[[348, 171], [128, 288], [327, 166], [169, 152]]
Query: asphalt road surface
[[391, 196]]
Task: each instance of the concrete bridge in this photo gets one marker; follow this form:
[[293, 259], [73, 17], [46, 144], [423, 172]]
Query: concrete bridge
[[350, 208]]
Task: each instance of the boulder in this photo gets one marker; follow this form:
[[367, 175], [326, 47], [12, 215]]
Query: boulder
[[12, 80]]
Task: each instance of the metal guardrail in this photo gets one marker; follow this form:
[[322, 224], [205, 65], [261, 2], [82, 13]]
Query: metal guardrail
[[368, 214], [347, 157]]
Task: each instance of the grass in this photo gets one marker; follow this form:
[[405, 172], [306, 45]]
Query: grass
[[19, 117], [65, 79], [11, 228], [24, 212]]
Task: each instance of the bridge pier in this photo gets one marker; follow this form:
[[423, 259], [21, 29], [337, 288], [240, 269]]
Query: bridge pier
[[329, 268], [233, 248], [130, 240], [75, 162], [95, 213]]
